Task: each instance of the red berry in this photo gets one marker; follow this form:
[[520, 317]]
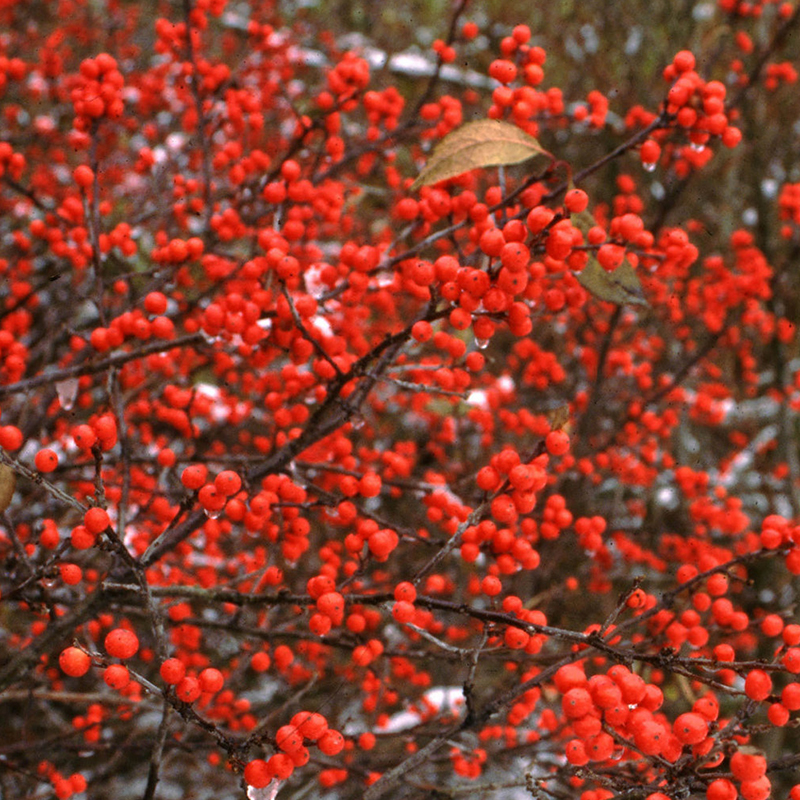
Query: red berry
[[257, 773], [188, 690], [690, 728], [650, 152], [71, 574], [758, 684], [557, 443], [331, 742], [421, 331], [96, 520], [211, 498], [748, 766], [311, 724], [46, 460], [492, 242], [759, 789], [81, 538], [155, 303], [211, 680], [576, 703], [288, 738], [403, 611], [721, 789], [488, 479], [194, 476], [172, 671], [405, 591], [491, 586], [74, 662], [260, 662], [382, 542], [227, 482], [502, 70], [790, 696], [84, 437], [576, 201], [281, 765], [84, 176], [116, 676], [470, 30], [10, 437], [121, 643], [684, 61], [331, 604]]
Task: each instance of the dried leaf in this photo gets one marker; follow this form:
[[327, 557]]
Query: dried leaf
[[620, 286], [484, 143], [558, 417], [8, 480]]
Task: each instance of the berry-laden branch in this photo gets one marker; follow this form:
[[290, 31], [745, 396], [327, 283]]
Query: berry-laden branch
[[361, 436]]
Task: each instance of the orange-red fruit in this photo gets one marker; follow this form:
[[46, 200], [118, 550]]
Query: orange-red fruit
[[684, 61], [650, 152], [757, 684], [758, 789], [172, 671], [83, 175], [71, 574], [690, 728], [331, 742], [502, 70], [46, 460], [311, 724], [403, 611], [748, 766], [487, 478], [721, 789], [188, 690], [576, 703], [74, 662], [421, 331], [228, 482], [121, 643], [116, 676], [576, 753], [288, 738], [576, 201], [405, 590], [331, 604], [211, 680], [84, 437], [96, 520], [778, 714], [155, 303], [194, 476], [557, 443], [257, 773], [281, 765], [790, 696], [260, 662], [370, 484]]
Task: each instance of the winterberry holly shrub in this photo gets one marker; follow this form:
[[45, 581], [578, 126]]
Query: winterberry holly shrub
[[373, 435]]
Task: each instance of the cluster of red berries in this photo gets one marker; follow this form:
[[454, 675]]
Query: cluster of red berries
[[97, 93], [290, 740]]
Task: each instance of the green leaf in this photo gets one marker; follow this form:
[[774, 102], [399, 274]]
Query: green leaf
[[485, 143], [620, 286]]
